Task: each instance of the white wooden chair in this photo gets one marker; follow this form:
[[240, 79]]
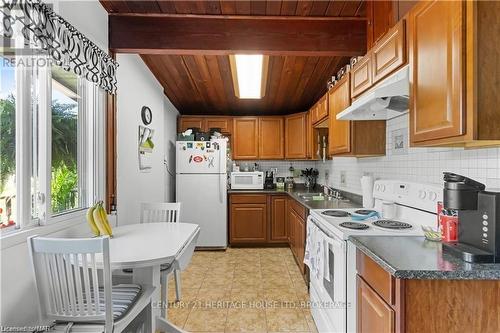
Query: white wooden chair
[[74, 292], [164, 212]]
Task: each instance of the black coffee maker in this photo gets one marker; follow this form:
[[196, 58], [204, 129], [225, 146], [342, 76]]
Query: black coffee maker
[[478, 219], [269, 180]]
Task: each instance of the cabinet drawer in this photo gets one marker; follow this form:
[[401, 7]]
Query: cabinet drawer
[[389, 53], [248, 198], [380, 280], [373, 314], [299, 209]]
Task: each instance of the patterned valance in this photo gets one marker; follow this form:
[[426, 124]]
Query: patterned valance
[[43, 30]]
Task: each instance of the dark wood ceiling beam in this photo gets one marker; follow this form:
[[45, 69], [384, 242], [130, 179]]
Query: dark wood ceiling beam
[[223, 34]]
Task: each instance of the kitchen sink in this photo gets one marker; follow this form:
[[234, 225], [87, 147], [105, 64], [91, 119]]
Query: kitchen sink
[[309, 196]]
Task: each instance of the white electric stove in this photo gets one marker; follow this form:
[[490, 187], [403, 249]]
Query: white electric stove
[[333, 295]]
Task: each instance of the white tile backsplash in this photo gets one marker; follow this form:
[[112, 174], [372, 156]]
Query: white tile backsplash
[[283, 166], [413, 164]]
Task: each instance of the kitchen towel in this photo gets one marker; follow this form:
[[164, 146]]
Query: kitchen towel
[[314, 251], [367, 191]]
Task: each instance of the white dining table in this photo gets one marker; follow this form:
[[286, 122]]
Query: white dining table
[[144, 247]]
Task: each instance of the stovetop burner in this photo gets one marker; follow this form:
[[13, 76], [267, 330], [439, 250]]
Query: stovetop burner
[[364, 211], [335, 213], [354, 225], [391, 224]]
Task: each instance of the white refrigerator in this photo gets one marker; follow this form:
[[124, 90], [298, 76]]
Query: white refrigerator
[[201, 188]]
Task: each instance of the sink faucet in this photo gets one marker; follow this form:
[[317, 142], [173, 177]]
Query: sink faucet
[[330, 191]]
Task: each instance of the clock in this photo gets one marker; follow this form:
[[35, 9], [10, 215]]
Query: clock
[[146, 115]]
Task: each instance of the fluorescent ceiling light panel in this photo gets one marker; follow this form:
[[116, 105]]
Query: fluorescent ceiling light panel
[[249, 73]]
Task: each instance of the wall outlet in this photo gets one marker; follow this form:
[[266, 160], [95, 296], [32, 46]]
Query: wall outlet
[[343, 181]]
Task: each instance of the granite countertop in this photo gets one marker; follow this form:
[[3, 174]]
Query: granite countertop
[[413, 257], [353, 202]]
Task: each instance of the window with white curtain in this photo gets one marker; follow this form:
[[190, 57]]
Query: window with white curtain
[[51, 143]]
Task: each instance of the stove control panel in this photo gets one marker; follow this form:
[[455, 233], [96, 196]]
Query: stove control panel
[[417, 195]]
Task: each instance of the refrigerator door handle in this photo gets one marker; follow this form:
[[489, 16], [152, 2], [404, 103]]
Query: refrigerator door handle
[[220, 187], [220, 175]]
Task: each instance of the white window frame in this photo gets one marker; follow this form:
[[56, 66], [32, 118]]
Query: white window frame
[[92, 161]]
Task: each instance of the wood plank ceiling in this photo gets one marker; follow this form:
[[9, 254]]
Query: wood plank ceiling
[[202, 84]]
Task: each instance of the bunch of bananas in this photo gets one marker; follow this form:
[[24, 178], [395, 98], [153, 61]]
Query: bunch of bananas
[[98, 220]]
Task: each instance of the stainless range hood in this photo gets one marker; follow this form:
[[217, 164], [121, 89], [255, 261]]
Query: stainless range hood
[[387, 100]]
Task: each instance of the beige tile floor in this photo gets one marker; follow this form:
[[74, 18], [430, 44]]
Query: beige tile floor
[[242, 290]]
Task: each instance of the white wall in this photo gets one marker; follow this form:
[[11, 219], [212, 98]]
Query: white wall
[[170, 126], [414, 164], [18, 301], [138, 87]]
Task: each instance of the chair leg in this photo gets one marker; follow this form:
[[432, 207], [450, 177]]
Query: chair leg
[[164, 293], [177, 276]]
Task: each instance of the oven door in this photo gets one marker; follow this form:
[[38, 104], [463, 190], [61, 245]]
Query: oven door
[[331, 292]]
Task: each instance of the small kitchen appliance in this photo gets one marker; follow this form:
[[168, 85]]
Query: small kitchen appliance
[[247, 180], [478, 216], [269, 181]]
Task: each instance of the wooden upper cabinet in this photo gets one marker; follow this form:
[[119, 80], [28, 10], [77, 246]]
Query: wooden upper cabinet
[[352, 138], [191, 122], [271, 138], [224, 123], [390, 52], [361, 76], [373, 314], [321, 109], [296, 136], [245, 138], [279, 219], [381, 16], [436, 57], [339, 130]]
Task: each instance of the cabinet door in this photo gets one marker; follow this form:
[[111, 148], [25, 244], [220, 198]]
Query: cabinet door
[[295, 137], [322, 109], [245, 138], [191, 122], [292, 221], [313, 113], [389, 53], [248, 223], [339, 135], [301, 239], [224, 123], [361, 76], [381, 16], [436, 57], [271, 138], [373, 314], [279, 228]]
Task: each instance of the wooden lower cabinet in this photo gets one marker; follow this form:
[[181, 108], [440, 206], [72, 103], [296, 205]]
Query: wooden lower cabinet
[[248, 223], [272, 219], [297, 225], [278, 218], [386, 304], [258, 219], [374, 315]]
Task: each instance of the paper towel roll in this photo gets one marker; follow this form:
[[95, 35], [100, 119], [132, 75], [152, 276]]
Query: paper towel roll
[[367, 191]]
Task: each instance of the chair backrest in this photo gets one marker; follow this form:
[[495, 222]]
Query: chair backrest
[[160, 212], [67, 279]]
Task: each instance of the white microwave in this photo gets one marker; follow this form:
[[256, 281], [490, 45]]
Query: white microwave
[[251, 180]]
